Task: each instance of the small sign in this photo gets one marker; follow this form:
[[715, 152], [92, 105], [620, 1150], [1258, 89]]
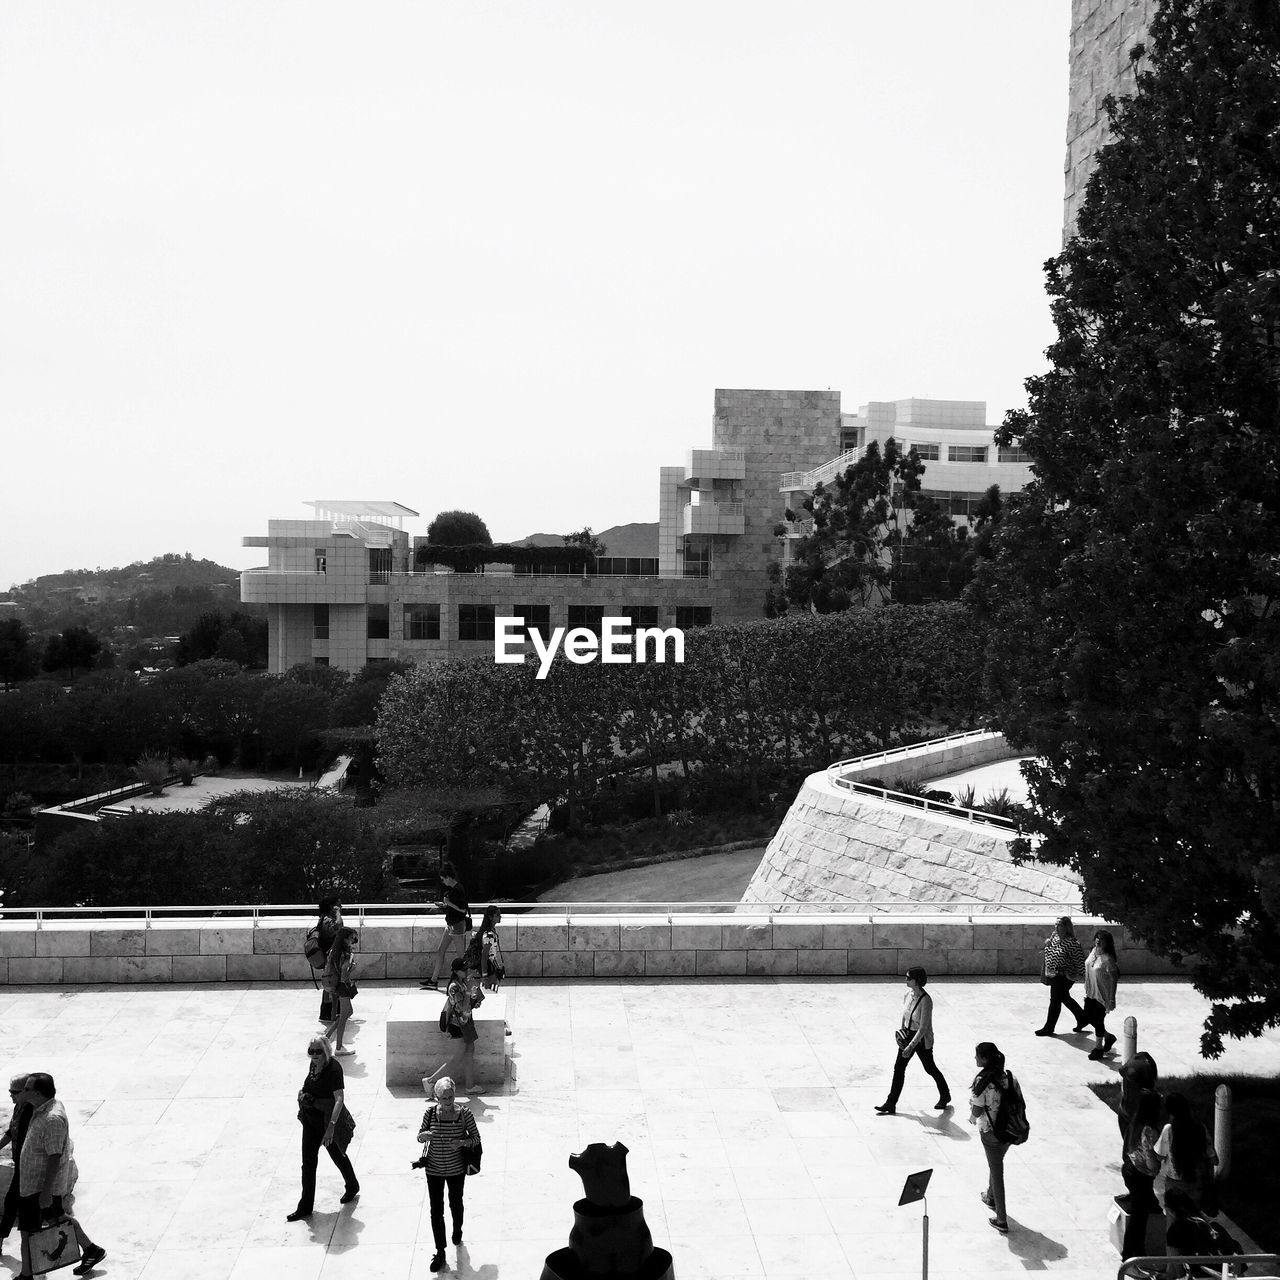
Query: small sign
[[915, 1186]]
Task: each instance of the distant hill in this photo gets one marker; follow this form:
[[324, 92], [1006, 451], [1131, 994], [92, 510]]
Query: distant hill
[[620, 540]]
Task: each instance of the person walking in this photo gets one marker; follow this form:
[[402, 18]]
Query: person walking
[[47, 1173], [325, 1120], [484, 953], [460, 1023], [986, 1094], [1063, 965], [448, 1130], [1101, 974], [915, 1039], [1186, 1153], [1139, 1166], [457, 918], [14, 1134], [328, 926], [340, 985]]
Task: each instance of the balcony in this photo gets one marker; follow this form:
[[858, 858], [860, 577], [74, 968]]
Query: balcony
[[713, 517], [715, 464]]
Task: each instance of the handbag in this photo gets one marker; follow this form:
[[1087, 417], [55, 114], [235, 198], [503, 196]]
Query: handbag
[[326, 1007], [902, 1035], [344, 1129], [444, 1017], [54, 1246], [348, 989], [471, 1151]]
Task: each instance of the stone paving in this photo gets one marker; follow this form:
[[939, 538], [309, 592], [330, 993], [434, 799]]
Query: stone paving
[[746, 1105]]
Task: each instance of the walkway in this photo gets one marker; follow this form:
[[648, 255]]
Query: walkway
[[746, 1103]]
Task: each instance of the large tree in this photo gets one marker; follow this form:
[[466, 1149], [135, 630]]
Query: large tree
[[458, 529], [19, 658], [1133, 588]]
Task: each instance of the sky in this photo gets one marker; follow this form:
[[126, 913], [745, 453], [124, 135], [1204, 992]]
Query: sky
[[490, 254]]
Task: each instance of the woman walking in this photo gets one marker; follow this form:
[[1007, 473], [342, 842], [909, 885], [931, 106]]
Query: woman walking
[[457, 916], [1101, 974], [325, 1120], [340, 986], [1063, 965], [447, 1129], [987, 1092], [484, 953], [460, 1023], [1186, 1152], [915, 1038]]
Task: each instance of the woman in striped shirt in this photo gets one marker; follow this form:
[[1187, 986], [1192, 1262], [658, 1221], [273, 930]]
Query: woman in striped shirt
[[446, 1128]]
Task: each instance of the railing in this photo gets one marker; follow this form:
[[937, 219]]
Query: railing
[[379, 577], [259, 914], [791, 480], [383, 576], [922, 802], [1160, 1265], [914, 748]]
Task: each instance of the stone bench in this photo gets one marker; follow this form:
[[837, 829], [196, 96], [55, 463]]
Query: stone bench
[[416, 1045]]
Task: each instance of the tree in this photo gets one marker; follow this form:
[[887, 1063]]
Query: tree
[[458, 529], [1132, 591], [18, 657], [76, 647], [585, 539], [206, 635], [858, 524]]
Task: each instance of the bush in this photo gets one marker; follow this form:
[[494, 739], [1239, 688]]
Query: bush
[[153, 770], [186, 769]]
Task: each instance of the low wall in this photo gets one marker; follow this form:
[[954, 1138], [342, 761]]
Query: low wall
[[541, 946], [927, 760]]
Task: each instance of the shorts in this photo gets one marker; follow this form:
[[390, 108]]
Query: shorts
[[31, 1217], [464, 1031]]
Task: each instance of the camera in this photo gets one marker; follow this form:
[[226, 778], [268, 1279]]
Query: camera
[[419, 1163]]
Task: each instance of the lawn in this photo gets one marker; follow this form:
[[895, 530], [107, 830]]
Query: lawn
[[713, 877], [1251, 1191]]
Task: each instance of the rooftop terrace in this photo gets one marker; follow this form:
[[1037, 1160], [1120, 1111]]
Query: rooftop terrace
[[746, 1104]]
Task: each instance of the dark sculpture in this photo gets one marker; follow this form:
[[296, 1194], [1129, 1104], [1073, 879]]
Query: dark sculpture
[[610, 1239]]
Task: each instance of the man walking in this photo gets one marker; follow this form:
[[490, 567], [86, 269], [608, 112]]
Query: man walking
[[14, 1134], [47, 1173]]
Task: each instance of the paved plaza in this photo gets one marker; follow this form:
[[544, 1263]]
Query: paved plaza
[[746, 1105]]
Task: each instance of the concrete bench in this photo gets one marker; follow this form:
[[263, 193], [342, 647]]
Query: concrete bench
[[416, 1045]]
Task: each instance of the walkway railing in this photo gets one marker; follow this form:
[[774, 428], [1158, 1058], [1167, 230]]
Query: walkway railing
[[1159, 1265]]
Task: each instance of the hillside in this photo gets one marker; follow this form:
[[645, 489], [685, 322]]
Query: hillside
[[620, 540]]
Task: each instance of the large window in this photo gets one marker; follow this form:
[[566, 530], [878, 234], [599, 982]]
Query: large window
[[322, 560], [379, 627], [697, 615], [967, 453], [422, 622], [626, 566], [953, 502], [640, 615], [475, 622], [590, 616], [925, 452], [320, 621], [535, 617], [697, 561], [379, 565], [1013, 453]]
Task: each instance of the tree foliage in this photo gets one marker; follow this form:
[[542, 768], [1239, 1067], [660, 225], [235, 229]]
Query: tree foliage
[[1132, 592], [71, 650], [19, 658], [458, 529]]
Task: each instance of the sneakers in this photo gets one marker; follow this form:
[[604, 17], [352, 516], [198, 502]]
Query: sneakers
[[437, 1260], [942, 1104], [886, 1109], [1001, 1227], [344, 1052], [986, 1199], [93, 1255], [1044, 1031], [1107, 1041], [296, 1214], [1095, 1055], [349, 1194]]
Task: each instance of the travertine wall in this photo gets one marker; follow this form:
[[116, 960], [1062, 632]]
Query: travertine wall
[[1102, 33], [536, 946]]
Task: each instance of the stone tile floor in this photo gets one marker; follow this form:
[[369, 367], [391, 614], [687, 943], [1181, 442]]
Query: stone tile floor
[[746, 1105]]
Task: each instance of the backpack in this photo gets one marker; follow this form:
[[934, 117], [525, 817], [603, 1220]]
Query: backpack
[[1010, 1124], [314, 950]]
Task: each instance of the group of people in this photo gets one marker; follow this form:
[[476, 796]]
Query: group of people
[[44, 1175]]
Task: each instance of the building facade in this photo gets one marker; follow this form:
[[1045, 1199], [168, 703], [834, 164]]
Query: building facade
[[344, 589]]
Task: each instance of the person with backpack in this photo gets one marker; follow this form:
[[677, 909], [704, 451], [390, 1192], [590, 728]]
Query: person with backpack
[[315, 946], [339, 984], [1139, 1165], [457, 922], [1186, 1152], [998, 1109], [458, 1020], [483, 955], [915, 1038], [1063, 965]]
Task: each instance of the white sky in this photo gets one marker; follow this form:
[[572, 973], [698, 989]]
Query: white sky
[[490, 254]]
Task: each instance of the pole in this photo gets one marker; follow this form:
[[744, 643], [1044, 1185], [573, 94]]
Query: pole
[[1130, 1044], [924, 1272], [1222, 1130]]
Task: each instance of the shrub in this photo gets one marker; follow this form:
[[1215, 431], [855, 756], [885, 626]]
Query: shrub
[[153, 770], [186, 769]]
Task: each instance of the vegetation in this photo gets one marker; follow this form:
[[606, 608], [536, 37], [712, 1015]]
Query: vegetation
[[458, 529], [1132, 595], [472, 557]]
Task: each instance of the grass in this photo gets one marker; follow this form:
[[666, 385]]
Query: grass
[[1250, 1192]]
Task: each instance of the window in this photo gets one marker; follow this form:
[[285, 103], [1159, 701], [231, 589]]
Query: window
[[322, 560], [379, 622], [628, 566], [697, 561], [475, 622], [692, 616], [535, 617], [379, 565], [590, 616], [320, 621], [926, 452], [1013, 453], [954, 503], [640, 615], [319, 662], [967, 453], [422, 622]]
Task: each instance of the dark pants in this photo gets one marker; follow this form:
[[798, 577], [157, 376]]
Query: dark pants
[[1095, 1016], [10, 1214], [435, 1192], [1060, 994], [995, 1150], [927, 1062], [312, 1141], [1142, 1203]]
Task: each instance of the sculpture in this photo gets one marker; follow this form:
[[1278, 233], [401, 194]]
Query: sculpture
[[610, 1239]]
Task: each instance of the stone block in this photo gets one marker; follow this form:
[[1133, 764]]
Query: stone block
[[225, 940], [62, 942], [386, 938], [90, 969], [670, 964], [188, 968], [721, 963], [695, 937], [413, 964], [541, 935], [584, 936], [279, 940], [427, 933], [1000, 936], [145, 969], [1013, 963], [844, 935], [172, 940], [31, 970], [18, 942], [747, 935], [371, 966], [117, 942], [771, 963], [619, 964], [645, 937], [248, 968], [813, 961], [934, 962], [295, 968], [523, 964], [948, 936], [1034, 935], [897, 933], [416, 1045], [868, 961], [567, 964], [972, 960], [802, 935]]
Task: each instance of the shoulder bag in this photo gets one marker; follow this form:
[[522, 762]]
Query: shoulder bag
[[54, 1246]]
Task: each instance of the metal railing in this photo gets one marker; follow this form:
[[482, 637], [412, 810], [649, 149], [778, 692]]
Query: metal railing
[[912, 749], [1162, 1266], [923, 802]]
